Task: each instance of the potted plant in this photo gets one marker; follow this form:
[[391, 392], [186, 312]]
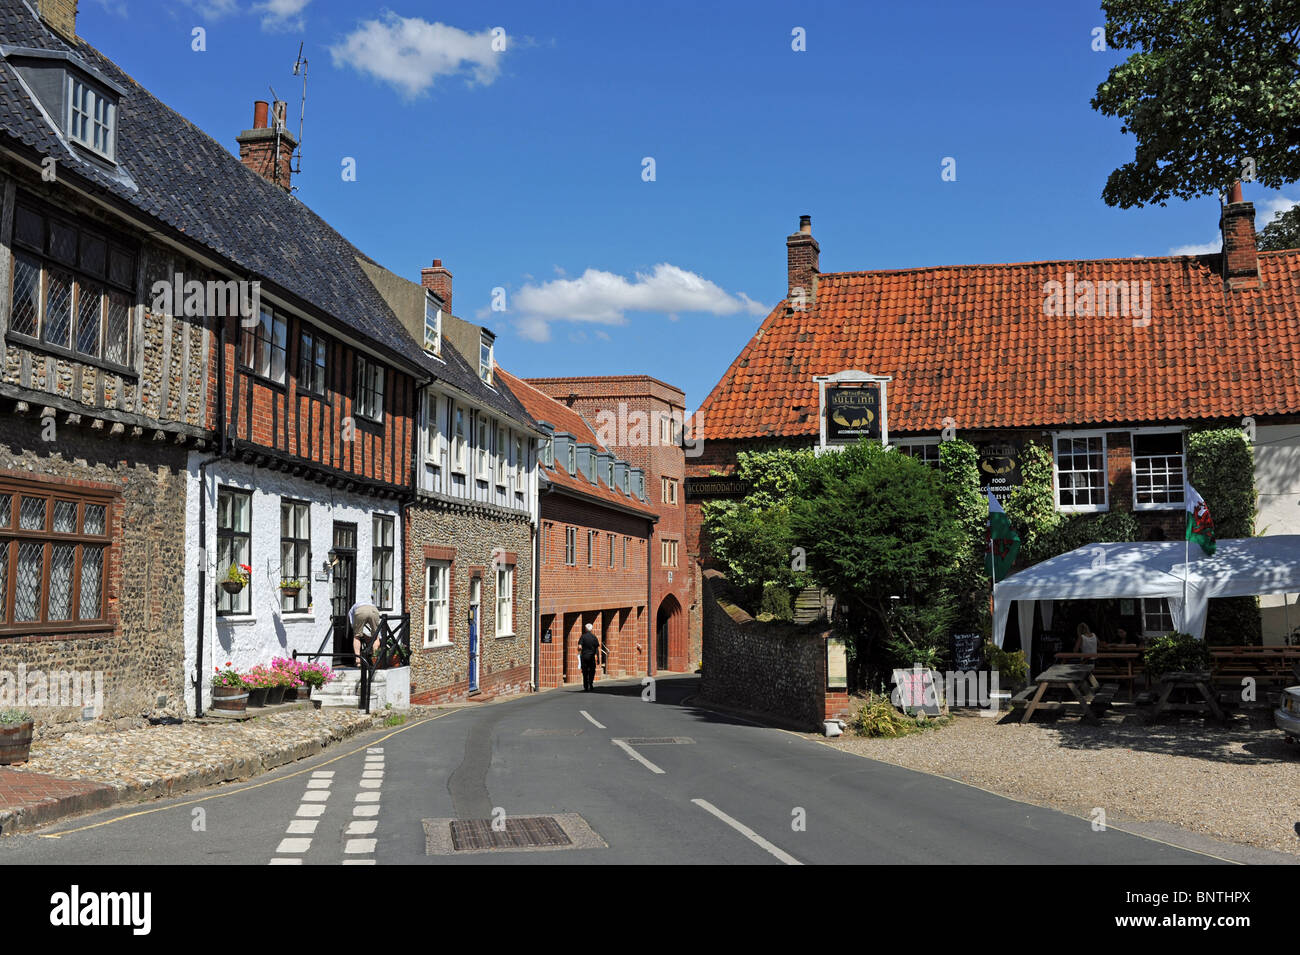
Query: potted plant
[[258, 681], [290, 586], [237, 578], [15, 736], [1176, 652], [294, 691], [1012, 668], [229, 693], [278, 683], [313, 676]]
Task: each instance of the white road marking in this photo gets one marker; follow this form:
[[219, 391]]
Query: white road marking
[[747, 832], [592, 720], [290, 846], [375, 749], [311, 809], [367, 797], [365, 810], [285, 862], [316, 795], [302, 827], [369, 784], [359, 846], [323, 774], [319, 783], [360, 828], [373, 774], [358, 861], [622, 744]]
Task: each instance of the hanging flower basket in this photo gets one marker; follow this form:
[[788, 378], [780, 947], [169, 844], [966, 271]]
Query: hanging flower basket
[[232, 587]]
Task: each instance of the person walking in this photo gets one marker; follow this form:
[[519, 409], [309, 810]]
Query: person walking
[[588, 646], [363, 619]]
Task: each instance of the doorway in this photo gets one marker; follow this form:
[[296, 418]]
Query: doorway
[[343, 584], [475, 601]]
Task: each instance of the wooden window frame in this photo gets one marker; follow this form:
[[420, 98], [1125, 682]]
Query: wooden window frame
[[504, 581], [368, 390], [234, 535], [1094, 508], [444, 621], [570, 546], [378, 550], [300, 601], [1134, 457], [12, 536], [309, 342]]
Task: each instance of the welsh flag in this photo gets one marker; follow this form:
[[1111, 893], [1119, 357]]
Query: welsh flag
[[1200, 526], [1003, 542]]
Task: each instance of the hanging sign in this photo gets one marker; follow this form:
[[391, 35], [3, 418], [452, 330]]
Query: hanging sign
[[853, 413], [999, 468]]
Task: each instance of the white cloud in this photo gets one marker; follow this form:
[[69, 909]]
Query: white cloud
[[1265, 209], [116, 7], [214, 9], [1203, 248], [1271, 207], [410, 53], [604, 298], [282, 14]]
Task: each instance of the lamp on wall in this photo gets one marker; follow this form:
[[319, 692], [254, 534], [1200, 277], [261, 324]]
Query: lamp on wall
[[331, 559]]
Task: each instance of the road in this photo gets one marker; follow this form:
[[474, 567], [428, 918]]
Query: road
[[724, 792]]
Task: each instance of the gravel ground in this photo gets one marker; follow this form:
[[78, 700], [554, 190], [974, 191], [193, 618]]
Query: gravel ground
[[163, 760], [1237, 783]]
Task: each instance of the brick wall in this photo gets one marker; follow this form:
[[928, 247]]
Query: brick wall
[[466, 536], [777, 670], [141, 656]]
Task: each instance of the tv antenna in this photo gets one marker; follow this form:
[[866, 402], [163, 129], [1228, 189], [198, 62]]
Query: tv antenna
[[300, 66]]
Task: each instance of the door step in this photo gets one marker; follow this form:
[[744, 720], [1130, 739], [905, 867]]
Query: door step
[[478, 696]]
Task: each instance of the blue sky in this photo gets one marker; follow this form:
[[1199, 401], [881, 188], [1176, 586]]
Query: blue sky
[[523, 169]]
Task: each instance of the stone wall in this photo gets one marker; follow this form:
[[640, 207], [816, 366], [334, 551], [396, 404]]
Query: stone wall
[[466, 537], [140, 656], [778, 670]]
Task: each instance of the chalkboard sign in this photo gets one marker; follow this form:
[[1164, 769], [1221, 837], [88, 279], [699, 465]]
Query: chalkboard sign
[[918, 689], [966, 651]]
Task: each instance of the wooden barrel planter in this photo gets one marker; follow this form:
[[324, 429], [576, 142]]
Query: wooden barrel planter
[[232, 699], [15, 743]]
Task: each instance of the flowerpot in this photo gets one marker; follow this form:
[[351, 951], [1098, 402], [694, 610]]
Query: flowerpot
[[232, 699], [231, 587], [304, 693], [15, 743], [274, 695], [290, 592], [257, 696]]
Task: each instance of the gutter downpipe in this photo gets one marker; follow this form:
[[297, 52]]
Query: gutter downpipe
[[537, 579], [203, 516]]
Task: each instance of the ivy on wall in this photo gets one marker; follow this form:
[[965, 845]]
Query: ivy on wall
[[1221, 466]]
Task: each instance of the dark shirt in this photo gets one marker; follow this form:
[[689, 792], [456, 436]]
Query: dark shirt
[[588, 645]]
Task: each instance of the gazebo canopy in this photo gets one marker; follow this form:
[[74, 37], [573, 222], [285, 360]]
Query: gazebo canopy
[[1239, 568]]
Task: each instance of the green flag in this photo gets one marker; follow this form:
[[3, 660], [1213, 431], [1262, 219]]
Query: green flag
[[1200, 526], [1003, 542]]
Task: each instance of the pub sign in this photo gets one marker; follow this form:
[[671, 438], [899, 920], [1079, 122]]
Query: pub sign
[[852, 414], [999, 468]]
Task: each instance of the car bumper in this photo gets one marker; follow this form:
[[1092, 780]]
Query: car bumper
[[1288, 723]]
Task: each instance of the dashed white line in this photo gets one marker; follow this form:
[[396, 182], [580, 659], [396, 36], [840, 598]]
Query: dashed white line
[[623, 745], [311, 809], [303, 827], [292, 846], [359, 846], [749, 833], [592, 720], [356, 828]]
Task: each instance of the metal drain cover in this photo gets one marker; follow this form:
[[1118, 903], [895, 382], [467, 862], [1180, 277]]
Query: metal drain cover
[[657, 740], [532, 832], [518, 834]]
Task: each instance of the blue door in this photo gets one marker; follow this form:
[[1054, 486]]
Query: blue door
[[475, 589]]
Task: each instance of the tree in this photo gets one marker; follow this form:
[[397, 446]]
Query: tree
[[1282, 233], [876, 526], [1212, 84]]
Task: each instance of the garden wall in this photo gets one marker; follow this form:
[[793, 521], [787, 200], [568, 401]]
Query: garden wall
[[777, 670]]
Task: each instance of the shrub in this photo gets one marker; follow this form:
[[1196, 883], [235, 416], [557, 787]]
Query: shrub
[[1176, 651], [14, 717], [1012, 666], [878, 717], [776, 602]]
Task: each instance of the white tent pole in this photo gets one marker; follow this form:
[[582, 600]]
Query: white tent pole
[[1186, 571]]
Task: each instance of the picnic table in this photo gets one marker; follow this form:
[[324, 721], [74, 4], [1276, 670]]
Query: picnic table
[[1078, 681], [1271, 666], [1124, 666], [1195, 683]]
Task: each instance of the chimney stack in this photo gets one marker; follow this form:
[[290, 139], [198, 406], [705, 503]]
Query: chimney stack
[[438, 280], [60, 16], [1240, 255], [267, 148], [802, 257]]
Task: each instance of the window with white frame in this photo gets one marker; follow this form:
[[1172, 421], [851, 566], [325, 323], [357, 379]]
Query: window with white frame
[[370, 389], [593, 538], [1157, 470], [521, 464], [266, 344], [295, 555], [382, 560], [432, 325], [1081, 472], [92, 117], [571, 546], [485, 359], [927, 452], [667, 430], [499, 443], [432, 426], [483, 441], [458, 439], [505, 600], [546, 452], [436, 632], [1156, 618], [669, 489], [611, 551], [669, 553], [572, 463]]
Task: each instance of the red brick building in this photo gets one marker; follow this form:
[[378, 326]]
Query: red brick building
[[1107, 362], [641, 419], [597, 531]]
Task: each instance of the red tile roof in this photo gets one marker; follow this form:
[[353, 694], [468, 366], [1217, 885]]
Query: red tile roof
[[545, 408], [973, 343]]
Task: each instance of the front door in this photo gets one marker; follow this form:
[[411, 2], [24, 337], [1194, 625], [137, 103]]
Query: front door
[[475, 599], [662, 647], [343, 584]]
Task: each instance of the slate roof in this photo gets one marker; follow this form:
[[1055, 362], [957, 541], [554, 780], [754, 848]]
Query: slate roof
[[185, 179], [545, 408], [972, 343]]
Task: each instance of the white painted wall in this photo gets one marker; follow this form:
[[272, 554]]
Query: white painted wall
[[266, 632], [1277, 482]]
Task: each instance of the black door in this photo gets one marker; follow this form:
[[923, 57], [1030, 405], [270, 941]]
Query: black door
[[662, 648], [343, 584]]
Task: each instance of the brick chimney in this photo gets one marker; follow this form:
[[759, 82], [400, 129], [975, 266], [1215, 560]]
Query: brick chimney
[[802, 257], [60, 16], [438, 280], [267, 148], [1240, 256]]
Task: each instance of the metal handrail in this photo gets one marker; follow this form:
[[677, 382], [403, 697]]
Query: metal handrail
[[393, 641]]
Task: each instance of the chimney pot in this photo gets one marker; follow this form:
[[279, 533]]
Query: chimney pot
[[437, 279], [805, 225], [1234, 192], [267, 152], [803, 259], [259, 114], [279, 112], [437, 263], [1240, 253]]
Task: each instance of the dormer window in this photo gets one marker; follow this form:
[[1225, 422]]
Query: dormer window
[[485, 359], [91, 117], [432, 325]]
